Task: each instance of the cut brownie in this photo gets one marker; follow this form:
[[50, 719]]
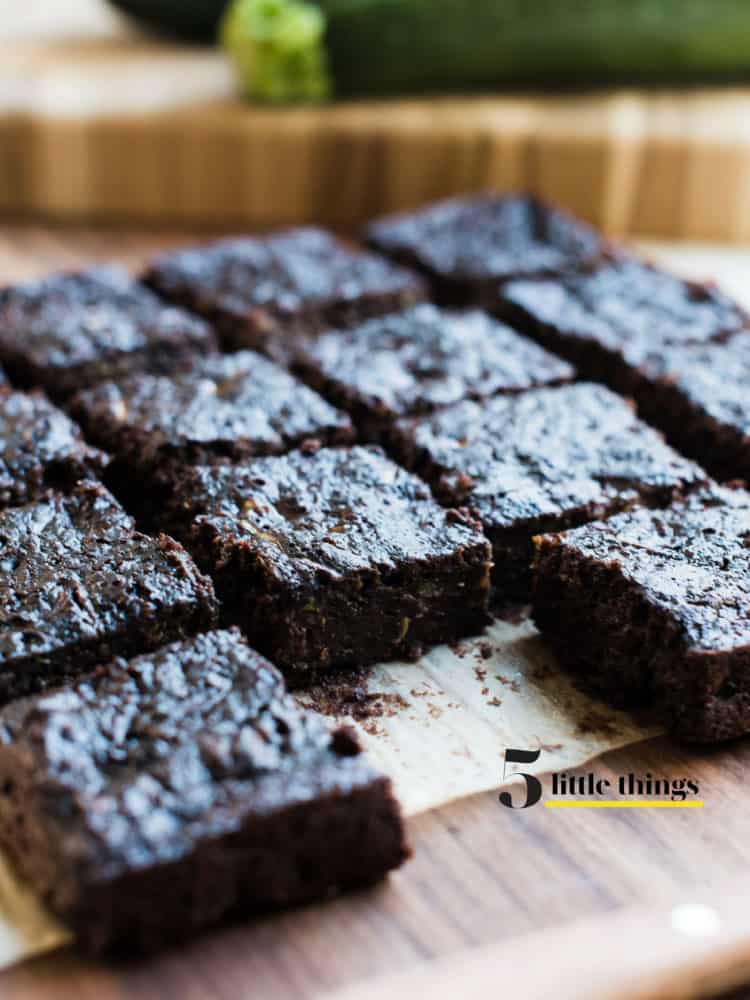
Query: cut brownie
[[700, 397], [607, 320], [79, 585], [70, 330], [334, 558], [166, 793], [653, 607], [543, 461], [469, 246], [420, 360], [40, 449], [264, 292], [232, 407]]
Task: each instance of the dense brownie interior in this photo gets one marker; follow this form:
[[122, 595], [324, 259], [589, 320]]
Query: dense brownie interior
[[70, 330], [469, 246], [165, 793], [333, 558], [420, 360], [653, 607], [545, 460], [263, 292]]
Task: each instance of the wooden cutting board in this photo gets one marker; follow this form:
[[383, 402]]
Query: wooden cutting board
[[118, 127], [481, 875]]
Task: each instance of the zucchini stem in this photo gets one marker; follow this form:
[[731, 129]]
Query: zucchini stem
[[278, 49]]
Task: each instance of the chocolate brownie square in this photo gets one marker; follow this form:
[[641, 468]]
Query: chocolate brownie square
[[166, 793], [265, 292], [226, 408], [545, 460], [420, 360], [607, 320], [334, 558], [41, 449], [80, 585], [70, 330], [653, 608], [700, 397], [469, 246]]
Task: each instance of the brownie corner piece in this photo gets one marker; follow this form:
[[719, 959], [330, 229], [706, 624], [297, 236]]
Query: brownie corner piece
[[266, 292], [41, 449], [70, 330], [469, 246], [163, 794], [421, 359], [334, 558], [652, 608], [81, 585], [545, 460]]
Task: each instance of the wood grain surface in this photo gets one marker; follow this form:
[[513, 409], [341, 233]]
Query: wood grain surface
[[481, 873]]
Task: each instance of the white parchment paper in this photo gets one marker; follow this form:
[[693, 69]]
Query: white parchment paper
[[440, 727]]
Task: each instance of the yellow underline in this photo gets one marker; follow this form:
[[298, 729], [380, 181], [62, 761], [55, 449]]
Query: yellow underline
[[624, 804]]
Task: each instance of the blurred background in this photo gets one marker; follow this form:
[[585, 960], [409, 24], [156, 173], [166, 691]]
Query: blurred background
[[635, 119]]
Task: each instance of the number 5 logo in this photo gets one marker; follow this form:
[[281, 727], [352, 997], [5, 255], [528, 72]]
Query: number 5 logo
[[533, 785]]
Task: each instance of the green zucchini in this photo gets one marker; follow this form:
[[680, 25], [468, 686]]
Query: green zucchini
[[383, 47], [398, 46]]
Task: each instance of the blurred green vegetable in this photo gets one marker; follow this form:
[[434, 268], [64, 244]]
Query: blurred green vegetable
[[402, 46], [292, 50], [278, 49]]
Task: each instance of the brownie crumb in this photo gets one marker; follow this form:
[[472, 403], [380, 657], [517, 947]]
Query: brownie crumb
[[507, 682], [346, 694]]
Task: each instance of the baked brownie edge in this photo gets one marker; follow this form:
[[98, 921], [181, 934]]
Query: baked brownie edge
[[607, 318], [334, 558], [545, 460], [81, 585], [653, 608], [699, 397], [420, 360], [469, 246], [166, 793], [41, 449], [265, 292], [74, 329]]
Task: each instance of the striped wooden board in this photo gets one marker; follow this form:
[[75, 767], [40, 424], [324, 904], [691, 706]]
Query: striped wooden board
[[118, 127]]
